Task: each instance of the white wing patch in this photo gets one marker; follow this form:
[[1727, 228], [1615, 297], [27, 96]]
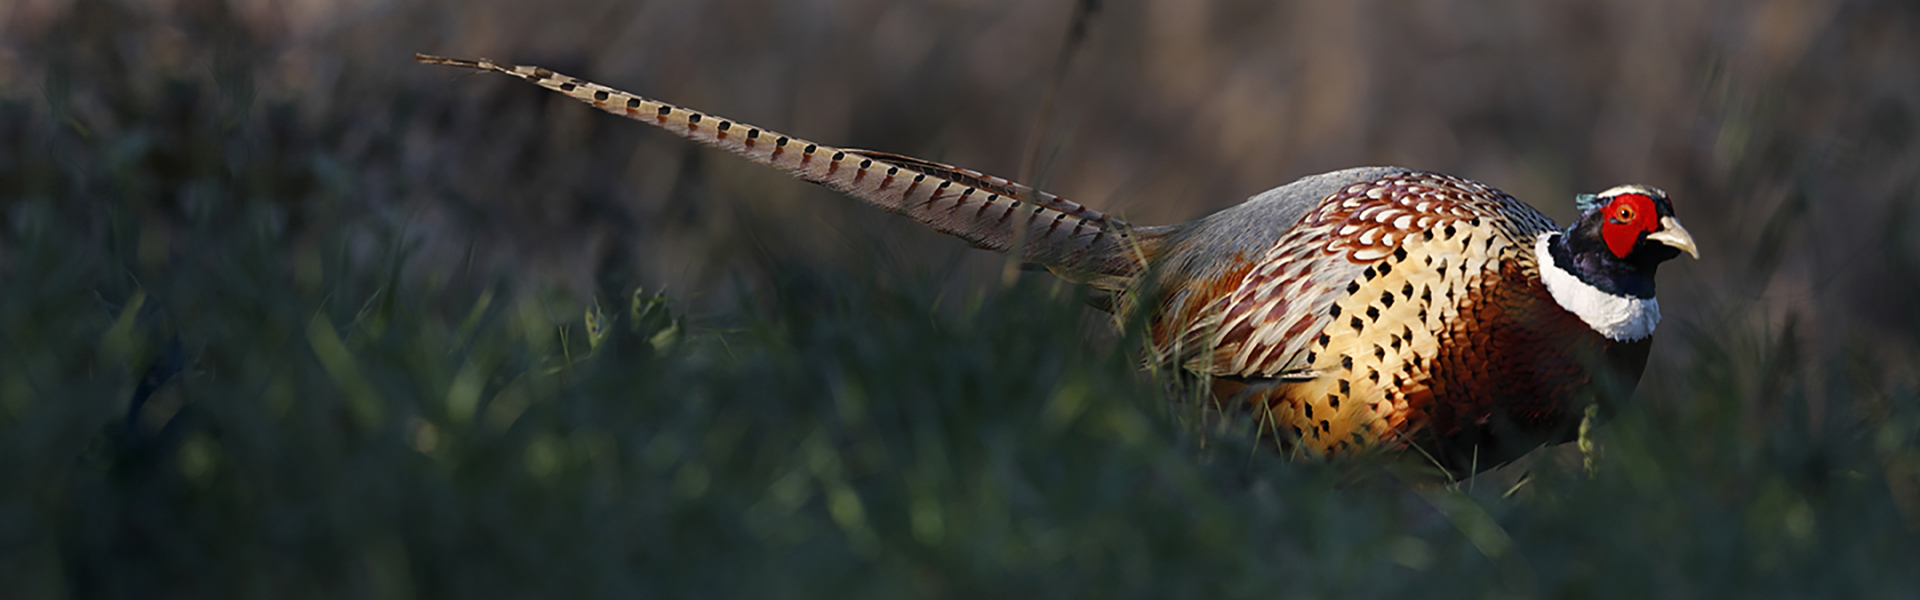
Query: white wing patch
[[1620, 318]]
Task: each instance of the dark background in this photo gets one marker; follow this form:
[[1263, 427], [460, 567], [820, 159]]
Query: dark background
[[199, 195]]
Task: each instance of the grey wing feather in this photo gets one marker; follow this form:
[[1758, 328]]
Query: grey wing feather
[[1254, 230]]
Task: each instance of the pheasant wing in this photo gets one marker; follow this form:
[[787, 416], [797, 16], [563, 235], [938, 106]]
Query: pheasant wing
[[1267, 326]]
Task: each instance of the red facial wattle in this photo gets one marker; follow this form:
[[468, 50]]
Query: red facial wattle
[[1627, 218]]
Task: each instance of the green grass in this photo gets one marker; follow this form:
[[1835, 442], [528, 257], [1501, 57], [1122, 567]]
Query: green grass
[[348, 433], [331, 427], [227, 370]]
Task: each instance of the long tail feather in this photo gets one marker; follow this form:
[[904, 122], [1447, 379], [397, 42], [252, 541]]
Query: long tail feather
[[979, 208]]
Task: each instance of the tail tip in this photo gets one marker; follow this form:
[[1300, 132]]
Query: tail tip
[[451, 62]]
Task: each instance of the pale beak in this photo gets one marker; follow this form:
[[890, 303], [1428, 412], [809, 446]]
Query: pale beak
[[1672, 234]]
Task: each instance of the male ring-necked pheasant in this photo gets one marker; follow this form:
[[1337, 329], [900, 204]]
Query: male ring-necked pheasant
[[1370, 308]]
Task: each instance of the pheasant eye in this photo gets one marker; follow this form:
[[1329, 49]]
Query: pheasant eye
[[1624, 215]]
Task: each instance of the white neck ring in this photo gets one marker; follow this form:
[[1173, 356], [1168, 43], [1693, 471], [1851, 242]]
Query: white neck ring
[[1619, 318]]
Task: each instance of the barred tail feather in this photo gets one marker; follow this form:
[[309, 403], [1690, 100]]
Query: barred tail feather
[[982, 209]]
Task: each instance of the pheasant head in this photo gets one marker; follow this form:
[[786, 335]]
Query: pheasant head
[[1601, 267]]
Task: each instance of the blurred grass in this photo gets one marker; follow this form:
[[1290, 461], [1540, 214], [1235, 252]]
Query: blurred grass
[[264, 335]]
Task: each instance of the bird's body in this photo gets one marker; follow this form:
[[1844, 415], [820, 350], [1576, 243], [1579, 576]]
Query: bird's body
[[1364, 309], [1400, 309]]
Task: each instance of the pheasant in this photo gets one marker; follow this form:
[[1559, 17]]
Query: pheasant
[[1374, 309]]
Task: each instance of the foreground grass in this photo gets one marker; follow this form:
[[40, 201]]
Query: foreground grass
[[244, 422]]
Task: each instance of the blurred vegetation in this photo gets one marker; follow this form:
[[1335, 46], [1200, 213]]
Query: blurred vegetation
[[286, 315]]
